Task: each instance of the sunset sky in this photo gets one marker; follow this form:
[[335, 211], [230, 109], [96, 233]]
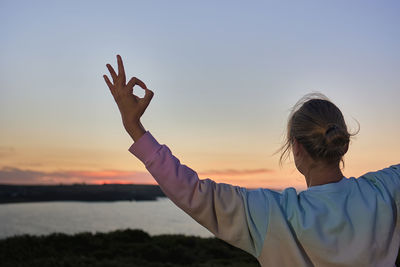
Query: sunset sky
[[224, 76]]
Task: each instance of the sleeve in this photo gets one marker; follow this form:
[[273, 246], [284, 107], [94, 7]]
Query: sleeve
[[387, 180], [232, 213]]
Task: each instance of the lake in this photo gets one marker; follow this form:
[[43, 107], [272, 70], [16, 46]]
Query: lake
[[155, 217]]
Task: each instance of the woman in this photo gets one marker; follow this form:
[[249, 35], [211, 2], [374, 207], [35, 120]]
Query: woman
[[337, 221]]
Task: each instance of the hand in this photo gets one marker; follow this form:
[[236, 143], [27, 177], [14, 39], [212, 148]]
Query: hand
[[130, 106]]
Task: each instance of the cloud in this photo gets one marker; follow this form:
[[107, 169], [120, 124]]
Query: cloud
[[12, 175], [233, 172]]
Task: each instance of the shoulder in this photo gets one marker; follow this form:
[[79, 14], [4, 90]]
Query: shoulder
[[386, 180], [281, 202], [390, 174], [264, 202], [273, 197]]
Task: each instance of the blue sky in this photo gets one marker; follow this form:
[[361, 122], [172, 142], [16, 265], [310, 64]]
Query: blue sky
[[224, 74]]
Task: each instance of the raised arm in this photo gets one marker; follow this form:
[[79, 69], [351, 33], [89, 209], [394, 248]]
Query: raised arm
[[232, 213]]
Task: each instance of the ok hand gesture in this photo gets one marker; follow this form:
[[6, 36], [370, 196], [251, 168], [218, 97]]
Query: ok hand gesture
[[130, 106]]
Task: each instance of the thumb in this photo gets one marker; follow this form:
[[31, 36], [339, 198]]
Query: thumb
[[148, 96]]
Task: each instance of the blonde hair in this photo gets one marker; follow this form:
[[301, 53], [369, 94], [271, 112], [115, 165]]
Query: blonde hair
[[319, 125]]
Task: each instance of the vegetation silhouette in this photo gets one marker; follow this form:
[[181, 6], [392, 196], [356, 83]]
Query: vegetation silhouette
[[120, 248]]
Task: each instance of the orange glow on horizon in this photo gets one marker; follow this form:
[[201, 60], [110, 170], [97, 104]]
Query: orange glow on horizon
[[243, 175], [108, 173], [101, 182]]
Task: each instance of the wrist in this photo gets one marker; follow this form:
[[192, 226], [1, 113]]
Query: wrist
[[135, 130]]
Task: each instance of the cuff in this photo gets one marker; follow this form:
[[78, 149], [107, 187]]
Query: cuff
[[145, 147]]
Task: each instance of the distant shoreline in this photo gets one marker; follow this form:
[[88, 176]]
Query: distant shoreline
[[78, 192]]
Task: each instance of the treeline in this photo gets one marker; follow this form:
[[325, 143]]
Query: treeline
[[78, 192], [120, 248]]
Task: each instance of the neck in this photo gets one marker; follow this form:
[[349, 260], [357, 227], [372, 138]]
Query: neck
[[323, 174]]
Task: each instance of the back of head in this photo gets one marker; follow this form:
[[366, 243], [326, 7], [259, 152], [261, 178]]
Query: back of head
[[318, 124]]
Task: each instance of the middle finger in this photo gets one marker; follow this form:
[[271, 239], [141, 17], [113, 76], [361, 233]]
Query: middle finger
[[121, 71]]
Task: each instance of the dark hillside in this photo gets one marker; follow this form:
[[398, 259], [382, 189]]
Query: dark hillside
[[78, 192]]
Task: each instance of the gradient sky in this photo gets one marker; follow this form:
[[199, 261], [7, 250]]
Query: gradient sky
[[224, 76]]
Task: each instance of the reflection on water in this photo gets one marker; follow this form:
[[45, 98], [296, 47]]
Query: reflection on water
[[154, 217]]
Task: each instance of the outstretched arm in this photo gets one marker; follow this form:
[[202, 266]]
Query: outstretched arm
[[232, 213]]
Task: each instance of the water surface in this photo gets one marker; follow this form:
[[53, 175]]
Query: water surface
[[155, 217]]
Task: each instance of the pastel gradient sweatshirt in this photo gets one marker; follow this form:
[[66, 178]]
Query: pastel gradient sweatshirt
[[353, 222]]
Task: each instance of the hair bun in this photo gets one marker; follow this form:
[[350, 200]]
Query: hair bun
[[336, 141], [331, 127]]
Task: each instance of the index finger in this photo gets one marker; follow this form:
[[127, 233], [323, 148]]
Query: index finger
[[133, 81], [112, 72], [121, 71]]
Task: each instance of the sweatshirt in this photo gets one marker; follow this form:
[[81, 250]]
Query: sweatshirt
[[353, 222]]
